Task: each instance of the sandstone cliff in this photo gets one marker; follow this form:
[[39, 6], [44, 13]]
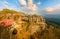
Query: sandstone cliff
[[23, 26], [17, 25]]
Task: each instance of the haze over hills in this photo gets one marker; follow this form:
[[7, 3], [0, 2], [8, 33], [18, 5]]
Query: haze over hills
[[53, 19], [24, 26]]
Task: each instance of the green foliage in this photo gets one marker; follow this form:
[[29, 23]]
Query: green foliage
[[8, 11]]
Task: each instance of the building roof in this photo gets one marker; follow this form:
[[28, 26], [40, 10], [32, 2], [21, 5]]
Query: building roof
[[6, 22]]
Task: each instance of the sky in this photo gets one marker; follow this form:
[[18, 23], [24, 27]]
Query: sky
[[32, 6]]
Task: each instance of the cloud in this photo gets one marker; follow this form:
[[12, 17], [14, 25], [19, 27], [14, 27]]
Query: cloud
[[4, 3], [14, 8], [22, 2], [32, 8], [30, 2], [53, 10], [38, 3], [49, 9], [28, 6]]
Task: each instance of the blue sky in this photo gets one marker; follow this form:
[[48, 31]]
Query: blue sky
[[35, 6]]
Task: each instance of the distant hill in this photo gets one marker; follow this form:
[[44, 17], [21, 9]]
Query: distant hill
[[53, 19]]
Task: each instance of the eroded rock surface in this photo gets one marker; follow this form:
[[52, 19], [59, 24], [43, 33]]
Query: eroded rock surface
[[23, 26]]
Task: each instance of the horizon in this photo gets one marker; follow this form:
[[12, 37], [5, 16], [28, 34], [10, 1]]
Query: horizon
[[32, 6]]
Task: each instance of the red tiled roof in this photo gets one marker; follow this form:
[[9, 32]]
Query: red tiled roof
[[6, 22]]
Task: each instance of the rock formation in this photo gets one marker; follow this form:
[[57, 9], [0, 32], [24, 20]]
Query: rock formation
[[23, 26]]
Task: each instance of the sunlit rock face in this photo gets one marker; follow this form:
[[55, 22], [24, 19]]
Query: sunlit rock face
[[23, 27]]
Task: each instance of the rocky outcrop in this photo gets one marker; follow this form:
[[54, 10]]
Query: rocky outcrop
[[23, 26]]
